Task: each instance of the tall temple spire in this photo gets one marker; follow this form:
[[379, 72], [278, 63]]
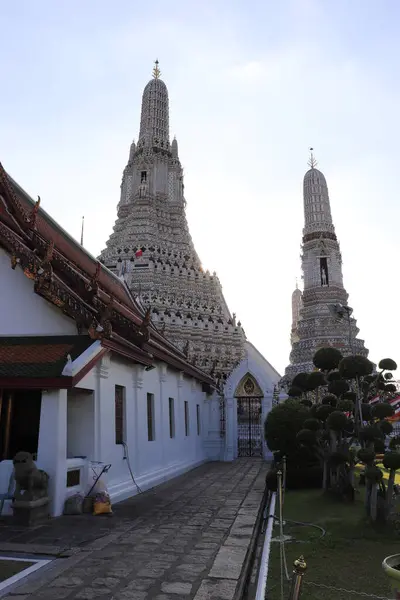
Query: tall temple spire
[[317, 209], [154, 121], [151, 245], [312, 323]]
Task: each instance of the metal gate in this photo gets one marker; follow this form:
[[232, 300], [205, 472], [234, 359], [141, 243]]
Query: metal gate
[[249, 430]]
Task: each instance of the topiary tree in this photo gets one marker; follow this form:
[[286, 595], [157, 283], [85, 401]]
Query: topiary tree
[[327, 359], [281, 429], [391, 461], [282, 425], [344, 420]]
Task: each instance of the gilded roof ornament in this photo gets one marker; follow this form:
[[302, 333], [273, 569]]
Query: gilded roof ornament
[[156, 70], [311, 161]]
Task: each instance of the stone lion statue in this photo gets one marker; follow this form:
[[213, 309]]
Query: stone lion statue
[[31, 483]]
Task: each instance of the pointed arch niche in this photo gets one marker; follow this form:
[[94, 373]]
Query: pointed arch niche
[[248, 387], [249, 410]]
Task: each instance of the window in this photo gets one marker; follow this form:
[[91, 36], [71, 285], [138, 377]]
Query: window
[[186, 418], [119, 414], [198, 418], [171, 418], [150, 418]]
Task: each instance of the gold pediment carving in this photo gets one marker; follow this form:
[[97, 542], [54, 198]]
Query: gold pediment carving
[[248, 386]]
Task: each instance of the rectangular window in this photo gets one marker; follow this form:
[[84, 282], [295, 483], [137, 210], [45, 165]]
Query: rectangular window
[[150, 418], [171, 418], [186, 418], [198, 418], [119, 414]]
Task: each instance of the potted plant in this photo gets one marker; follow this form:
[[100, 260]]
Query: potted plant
[[391, 566]]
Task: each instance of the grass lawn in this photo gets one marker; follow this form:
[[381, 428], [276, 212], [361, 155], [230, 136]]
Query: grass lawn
[[8, 568], [349, 556]]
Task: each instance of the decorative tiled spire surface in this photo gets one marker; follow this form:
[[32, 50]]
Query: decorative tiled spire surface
[[317, 323], [151, 247]]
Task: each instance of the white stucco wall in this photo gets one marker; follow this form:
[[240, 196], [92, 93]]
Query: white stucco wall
[[151, 461], [22, 312], [80, 424]]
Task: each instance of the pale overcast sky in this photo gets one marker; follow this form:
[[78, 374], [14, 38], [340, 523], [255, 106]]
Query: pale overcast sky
[[251, 85]]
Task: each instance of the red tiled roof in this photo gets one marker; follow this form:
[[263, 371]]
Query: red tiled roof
[[33, 353], [39, 356]]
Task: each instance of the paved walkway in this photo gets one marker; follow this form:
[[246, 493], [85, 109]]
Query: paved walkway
[[186, 539]]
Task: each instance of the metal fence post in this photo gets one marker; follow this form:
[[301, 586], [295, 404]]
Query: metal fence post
[[300, 568]]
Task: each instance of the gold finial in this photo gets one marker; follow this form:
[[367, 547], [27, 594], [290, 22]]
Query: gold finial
[[156, 70], [311, 161], [300, 565]]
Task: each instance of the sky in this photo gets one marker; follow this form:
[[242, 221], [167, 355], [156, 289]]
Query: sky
[[252, 85]]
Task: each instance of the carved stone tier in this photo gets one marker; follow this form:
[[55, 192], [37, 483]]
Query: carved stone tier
[[152, 250]]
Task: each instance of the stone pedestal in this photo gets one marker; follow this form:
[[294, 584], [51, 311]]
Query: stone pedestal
[[28, 513]]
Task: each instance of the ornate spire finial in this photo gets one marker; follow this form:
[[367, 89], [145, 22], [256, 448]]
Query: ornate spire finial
[[311, 161], [297, 284], [156, 70]]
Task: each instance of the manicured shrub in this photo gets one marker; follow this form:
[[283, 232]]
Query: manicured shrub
[[336, 421], [394, 443], [390, 387], [327, 359], [338, 458], [271, 480], [304, 477], [391, 461], [369, 433], [379, 445], [366, 455], [306, 436], [338, 387], [324, 411], [306, 402], [386, 427], [294, 392], [313, 424], [282, 425], [382, 410], [315, 380], [329, 399], [345, 405], [355, 366], [387, 364], [333, 376], [300, 381], [374, 474]]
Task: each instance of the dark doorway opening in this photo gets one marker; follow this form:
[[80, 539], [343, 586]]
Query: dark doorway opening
[[324, 271], [19, 422]]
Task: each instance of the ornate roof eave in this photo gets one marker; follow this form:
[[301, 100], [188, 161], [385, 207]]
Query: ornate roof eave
[[49, 284], [80, 294], [177, 359], [31, 217], [16, 210]]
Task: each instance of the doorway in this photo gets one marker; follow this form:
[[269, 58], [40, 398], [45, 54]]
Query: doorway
[[19, 422]]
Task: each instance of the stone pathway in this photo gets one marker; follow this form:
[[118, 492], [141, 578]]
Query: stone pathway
[[186, 539]]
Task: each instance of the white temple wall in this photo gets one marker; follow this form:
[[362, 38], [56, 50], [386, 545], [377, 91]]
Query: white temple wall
[[22, 312], [152, 461]]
